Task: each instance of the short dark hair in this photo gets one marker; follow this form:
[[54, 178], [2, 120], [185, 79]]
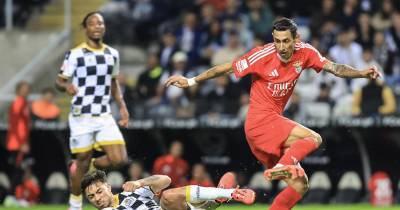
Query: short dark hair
[[284, 24], [20, 84], [84, 24], [93, 177]]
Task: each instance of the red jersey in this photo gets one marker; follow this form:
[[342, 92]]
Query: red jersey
[[273, 80], [176, 168], [18, 124]]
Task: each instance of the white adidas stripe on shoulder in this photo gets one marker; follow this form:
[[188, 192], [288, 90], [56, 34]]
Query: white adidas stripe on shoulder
[[261, 51], [261, 56]]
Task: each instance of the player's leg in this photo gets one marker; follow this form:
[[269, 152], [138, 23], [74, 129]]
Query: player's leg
[[81, 162], [174, 198], [178, 198], [292, 194], [301, 142], [81, 146], [116, 157], [110, 139]]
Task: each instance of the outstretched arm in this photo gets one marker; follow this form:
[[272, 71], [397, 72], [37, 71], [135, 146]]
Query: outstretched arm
[[216, 71], [346, 71], [155, 182]]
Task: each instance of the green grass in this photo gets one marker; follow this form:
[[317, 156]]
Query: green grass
[[240, 207]]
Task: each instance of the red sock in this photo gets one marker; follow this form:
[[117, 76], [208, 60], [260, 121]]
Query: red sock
[[298, 151], [286, 199]]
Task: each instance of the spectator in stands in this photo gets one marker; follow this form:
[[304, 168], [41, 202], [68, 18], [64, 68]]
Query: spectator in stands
[[375, 98], [393, 35], [148, 80], [245, 35], [365, 31], [128, 94], [321, 16], [338, 86], [232, 10], [346, 51], [189, 37], [211, 42], [232, 50], [45, 108], [207, 15], [349, 13], [381, 20], [324, 95], [136, 171], [174, 97], [17, 140], [383, 53], [169, 47], [259, 17], [223, 98], [327, 35], [367, 60], [173, 165], [200, 176]]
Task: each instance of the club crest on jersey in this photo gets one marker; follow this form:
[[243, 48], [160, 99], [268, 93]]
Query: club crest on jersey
[[128, 201], [297, 66]]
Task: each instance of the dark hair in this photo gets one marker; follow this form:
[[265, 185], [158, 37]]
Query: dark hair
[[284, 24], [84, 24], [93, 177], [19, 85]]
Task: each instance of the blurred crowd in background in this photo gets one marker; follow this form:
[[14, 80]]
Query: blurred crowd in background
[[187, 37], [195, 35]]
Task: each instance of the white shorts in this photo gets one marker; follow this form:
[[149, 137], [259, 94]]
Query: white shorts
[[88, 132]]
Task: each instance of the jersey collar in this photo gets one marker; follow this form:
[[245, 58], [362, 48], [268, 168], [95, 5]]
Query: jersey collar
[[85, 45]]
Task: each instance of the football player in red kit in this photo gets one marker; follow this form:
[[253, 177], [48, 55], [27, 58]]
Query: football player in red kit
[[277, 142]]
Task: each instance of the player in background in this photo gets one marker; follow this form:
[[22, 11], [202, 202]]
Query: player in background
[[277, 142], [139, 194], [93, 68]]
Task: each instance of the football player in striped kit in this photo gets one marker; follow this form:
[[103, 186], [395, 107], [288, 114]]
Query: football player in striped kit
[[140, 194]]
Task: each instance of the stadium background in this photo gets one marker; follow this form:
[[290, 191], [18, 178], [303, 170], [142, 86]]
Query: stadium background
[[208, 120]]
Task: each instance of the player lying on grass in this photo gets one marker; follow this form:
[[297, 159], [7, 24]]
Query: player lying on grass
[[140, 194]]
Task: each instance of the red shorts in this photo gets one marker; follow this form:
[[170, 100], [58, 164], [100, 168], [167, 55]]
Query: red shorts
[[266, 136]]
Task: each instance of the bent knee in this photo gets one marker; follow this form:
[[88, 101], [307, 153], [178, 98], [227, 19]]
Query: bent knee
[[317, 139], [169, 199]]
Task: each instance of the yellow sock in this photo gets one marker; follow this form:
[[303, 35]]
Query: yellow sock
[[91, 165]]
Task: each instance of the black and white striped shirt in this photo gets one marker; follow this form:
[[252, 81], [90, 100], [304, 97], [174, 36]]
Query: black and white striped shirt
[[91, 71], [140, 199]]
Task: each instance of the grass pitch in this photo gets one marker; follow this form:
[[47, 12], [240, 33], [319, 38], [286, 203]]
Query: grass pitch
[[238, 207]]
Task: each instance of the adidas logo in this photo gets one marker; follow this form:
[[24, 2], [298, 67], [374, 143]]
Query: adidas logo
[[274, 73]]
